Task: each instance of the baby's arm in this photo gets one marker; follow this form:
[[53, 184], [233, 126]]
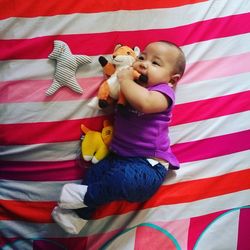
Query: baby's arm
[[139, 97]]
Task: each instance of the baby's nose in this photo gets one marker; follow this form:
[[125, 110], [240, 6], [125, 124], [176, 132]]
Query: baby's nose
[[143, 65]]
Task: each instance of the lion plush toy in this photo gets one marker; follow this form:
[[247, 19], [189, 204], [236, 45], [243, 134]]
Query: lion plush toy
[[109, 91], [95, 144]]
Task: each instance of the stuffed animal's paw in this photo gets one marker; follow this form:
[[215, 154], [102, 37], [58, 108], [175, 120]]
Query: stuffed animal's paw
[[103, 61]]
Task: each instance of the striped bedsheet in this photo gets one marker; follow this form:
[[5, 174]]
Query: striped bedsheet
[[202, 206]]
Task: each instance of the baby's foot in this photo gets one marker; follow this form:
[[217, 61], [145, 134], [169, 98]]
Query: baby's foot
[[68, 220], [72, 196]]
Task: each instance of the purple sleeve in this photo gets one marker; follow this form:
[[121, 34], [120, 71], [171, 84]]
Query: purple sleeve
[[166, 90]]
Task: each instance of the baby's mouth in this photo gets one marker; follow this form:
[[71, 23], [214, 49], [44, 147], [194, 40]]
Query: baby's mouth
[[142, 80]]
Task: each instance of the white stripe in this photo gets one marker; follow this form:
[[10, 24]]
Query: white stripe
[[153, 215], [216, 48], [87, 23], [210, 128], [178, 134], [28, 230], [46, 111], [50, 191], [44, 68], [226, 229], [57, 111], [18, 244], [172, 212], [31, 190], [125, 242], [41, 152], [212, 167], [212, 88]]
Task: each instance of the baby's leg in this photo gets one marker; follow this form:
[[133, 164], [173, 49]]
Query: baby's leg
[[72, 195], [97, 171], [132, 179], [142, 179]]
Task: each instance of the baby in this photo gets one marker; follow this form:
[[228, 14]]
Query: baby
[[140, 154]]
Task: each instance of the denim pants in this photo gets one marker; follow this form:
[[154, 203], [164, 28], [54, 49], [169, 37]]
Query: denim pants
[[122, 178]]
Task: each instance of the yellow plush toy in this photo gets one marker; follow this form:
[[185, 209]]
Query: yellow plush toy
[[95, 144]]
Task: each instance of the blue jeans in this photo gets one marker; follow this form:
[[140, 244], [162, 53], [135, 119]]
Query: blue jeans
[[122, 178]]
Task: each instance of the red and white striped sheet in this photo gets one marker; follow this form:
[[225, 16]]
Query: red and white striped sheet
[[205, 204]]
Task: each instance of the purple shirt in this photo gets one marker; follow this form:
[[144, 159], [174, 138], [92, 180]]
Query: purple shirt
[[145, 135]]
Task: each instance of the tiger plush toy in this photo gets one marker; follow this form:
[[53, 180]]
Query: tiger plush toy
[[109, 91]]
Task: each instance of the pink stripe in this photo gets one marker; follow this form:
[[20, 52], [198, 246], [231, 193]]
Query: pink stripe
[[48, 132], [198, 225], [211, 108], [69, 243], [212, 69], [60, 131], [34, 8], [103, 43], [243, 228], [42, 171], [23, 90], [212, 147], [149, 238], [70, 170]]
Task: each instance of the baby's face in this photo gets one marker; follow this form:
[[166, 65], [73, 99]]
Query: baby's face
[[157, 62]]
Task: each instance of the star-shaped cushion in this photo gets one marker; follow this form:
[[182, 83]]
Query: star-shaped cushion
[[66, 66]]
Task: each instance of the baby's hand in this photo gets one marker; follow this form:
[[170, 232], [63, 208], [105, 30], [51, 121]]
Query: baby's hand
[[125, 74]]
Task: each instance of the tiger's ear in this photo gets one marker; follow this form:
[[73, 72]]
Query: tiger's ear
[[137, 50], [118, 46]]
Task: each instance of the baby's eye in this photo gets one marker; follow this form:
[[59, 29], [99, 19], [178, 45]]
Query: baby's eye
[[141, 58], [155, 63]]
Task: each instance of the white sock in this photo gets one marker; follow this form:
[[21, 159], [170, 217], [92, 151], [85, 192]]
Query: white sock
[[72, 196], [68, 220]]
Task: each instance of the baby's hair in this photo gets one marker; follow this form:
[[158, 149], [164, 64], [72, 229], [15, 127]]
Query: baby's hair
[[180, 61]]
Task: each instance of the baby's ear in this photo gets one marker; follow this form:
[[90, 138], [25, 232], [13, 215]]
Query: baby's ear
[[175, 78]]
